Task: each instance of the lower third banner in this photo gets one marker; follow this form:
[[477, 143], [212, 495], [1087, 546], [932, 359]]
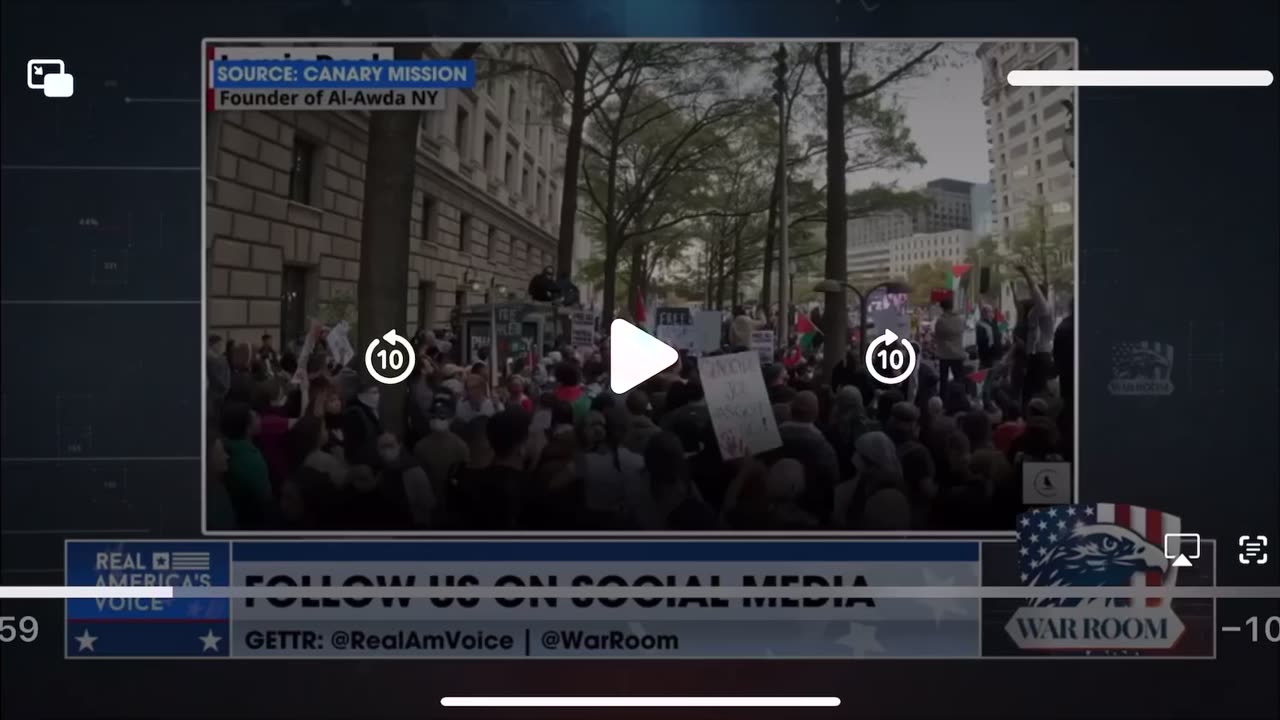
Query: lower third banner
[[546, 627]]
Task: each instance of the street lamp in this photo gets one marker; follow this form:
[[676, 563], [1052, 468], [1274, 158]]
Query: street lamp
[[829, 285], [1069, 138]]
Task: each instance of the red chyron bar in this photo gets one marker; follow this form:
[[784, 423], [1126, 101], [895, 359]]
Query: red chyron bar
[[314, 99]]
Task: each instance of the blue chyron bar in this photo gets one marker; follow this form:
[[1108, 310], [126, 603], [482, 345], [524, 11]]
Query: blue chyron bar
[[606, 627]]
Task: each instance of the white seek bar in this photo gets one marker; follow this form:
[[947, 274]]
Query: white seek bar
[[90, 592], [637, 701], [1140, 78]]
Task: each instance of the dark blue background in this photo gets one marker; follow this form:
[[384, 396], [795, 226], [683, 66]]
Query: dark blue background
[[1178, 238]]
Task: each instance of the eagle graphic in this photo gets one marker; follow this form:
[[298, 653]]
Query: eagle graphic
[[1095, 556]]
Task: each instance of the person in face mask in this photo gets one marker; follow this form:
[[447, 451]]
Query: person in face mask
[[442, 453], [361, 426]]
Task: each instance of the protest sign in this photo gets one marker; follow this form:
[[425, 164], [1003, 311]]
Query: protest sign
[[708, 327], [888, 311], [762, 343], [583, 334], [680, 337], [339, 344], [738, 404], [673, 316]]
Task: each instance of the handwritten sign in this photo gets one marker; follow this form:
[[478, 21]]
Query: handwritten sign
[[739, 404], [762, 343]]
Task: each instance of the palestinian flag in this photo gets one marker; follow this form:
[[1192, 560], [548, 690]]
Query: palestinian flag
[[979, 378], [806, 330]]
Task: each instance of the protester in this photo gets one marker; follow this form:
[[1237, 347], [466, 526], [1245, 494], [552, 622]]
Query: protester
[[544, 445], [569, 389], [217, 371], [640, 427], [1040, 332], [267, 354], [247, 479], [989, 338], [678, 506], [516, 396], [476, 401], [948, 339]]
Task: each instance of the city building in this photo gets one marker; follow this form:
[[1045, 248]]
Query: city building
[[980, 203], [875, 241], [1027, 133], [285, 199], [869, 263], [949, 246]]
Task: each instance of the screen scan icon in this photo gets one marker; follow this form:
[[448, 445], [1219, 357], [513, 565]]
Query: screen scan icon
[[1175, 543], [51, 76], [1253, 549]]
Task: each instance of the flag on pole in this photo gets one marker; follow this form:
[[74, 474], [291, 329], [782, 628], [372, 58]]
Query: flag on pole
[[957, 272], [806, 330]]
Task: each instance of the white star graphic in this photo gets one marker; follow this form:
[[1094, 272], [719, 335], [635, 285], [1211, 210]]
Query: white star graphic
[[1062, 524], [1053, 537], [1034, 539], [1044, 551], [1044, 525], [1022, 551], [1024, 522], [861, 639], [1024, 577], [1088, 512], [210, 641], [1070, 511], [941, 605], [1053, 512], [86, 641]]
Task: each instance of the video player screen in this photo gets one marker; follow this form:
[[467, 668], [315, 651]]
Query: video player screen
[[705, 359]]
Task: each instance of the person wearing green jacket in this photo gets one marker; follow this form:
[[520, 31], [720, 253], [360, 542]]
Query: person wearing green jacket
[[247, 480]]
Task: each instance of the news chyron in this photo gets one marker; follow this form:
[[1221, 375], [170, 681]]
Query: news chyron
[[329, 78]]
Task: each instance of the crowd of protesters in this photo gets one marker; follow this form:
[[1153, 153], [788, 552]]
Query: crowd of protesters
[[299, 443]]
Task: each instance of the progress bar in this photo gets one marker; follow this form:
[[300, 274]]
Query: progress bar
[[691, 701], [1140, 78], [93, 592]]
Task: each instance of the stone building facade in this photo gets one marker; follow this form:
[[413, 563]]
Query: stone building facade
[[285, 195]]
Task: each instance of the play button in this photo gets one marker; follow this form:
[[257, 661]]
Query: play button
[[635, 356]]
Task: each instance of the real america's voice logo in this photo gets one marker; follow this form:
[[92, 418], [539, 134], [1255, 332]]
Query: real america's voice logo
[[1096, 545]]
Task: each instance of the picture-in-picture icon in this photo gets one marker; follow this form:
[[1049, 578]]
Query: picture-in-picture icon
[[50, 76]]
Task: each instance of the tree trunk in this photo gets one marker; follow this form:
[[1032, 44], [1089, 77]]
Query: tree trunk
[[770, 235], [736, 271], [709, 260], [573, 160], [720, 273], [383, 286], [835, 316], [635, 274], [608, 311]]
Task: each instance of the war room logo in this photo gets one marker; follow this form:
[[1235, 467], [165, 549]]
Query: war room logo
[[1141, 368], [1095, 545]]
